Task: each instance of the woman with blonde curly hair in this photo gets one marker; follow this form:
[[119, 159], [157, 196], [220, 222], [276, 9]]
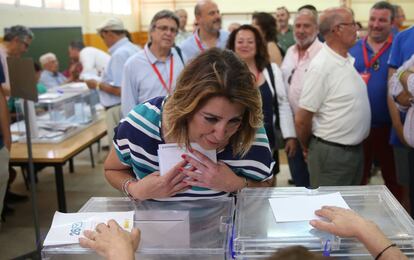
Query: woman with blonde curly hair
[[216, 106]]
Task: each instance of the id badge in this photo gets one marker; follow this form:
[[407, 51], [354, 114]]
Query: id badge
[[365, 76]]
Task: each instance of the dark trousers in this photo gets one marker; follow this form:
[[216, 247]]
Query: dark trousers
[[376, 146], [299, 168]]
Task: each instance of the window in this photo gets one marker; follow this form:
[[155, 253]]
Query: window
[[110, 6], [33, 3], [8, 2], [54, 4]]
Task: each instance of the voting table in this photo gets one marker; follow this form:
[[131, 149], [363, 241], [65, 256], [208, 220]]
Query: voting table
[[219, 229], [57, 154]]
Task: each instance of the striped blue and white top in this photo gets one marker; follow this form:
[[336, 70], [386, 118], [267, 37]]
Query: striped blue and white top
[[138, 135]]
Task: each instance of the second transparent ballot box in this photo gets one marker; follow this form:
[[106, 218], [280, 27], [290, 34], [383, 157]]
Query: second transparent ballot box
[[257, 234], [198, 229]]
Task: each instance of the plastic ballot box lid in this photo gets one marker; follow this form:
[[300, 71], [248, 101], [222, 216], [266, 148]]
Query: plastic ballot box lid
[[198, 229], [257, 234]]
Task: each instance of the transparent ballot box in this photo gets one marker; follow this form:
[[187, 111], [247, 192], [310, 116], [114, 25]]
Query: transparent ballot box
[[198, 229], [257, 234], [57, 115]]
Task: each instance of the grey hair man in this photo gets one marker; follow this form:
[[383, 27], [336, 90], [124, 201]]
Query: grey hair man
[[16, 42], [334, 113], [182, 31], [159, 64], [294, 66]]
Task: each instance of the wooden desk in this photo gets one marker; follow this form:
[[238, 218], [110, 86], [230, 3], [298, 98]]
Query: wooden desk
[[58, 154]]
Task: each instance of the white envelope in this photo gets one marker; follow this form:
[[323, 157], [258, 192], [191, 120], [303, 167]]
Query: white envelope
[[170, 154]]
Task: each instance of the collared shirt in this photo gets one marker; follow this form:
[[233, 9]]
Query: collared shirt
[[140, 81], [377, 84], [336, 94], [51, 79], [402, 49], [120, 52], [181, 36], [396, 88], [295, 68], [3, 59], [94, 63], [285, 40], [191, 49]]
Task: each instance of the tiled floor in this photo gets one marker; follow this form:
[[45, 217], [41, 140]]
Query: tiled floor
[[17, 233]]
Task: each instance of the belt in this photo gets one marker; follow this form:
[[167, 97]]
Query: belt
[[335, 144], [109, 107]]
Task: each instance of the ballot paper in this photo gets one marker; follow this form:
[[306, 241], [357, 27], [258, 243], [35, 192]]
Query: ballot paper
[[170, 154], [67, 228], [302, 208]]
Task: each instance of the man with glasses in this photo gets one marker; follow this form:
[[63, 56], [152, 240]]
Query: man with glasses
[[371, 56], [16, 42], [153, 71], [334, 114], [208, 33], [294, 66], [51, 77], [113, 33]]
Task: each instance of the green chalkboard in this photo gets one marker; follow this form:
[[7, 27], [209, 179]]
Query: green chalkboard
[[56, 40]]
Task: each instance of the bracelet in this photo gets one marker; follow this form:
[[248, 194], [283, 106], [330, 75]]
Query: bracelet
[[246, 183], [385, 249], [125, 187]]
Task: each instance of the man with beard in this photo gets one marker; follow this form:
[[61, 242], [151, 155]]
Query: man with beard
[[334, 114], [371, 56], [154, 70], [209, 33], [295, 64]]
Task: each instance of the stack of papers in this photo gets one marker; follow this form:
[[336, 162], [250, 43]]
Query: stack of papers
[[170, 154], [302, 208], [67, 228]]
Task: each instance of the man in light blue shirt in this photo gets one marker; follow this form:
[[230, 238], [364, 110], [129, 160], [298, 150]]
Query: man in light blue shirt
[[51, 77], [153, 71], [113, 34], [209, 33]]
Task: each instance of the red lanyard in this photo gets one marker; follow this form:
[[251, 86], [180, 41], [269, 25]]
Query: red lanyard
[[200, 46], [164, 85], [369, 63]]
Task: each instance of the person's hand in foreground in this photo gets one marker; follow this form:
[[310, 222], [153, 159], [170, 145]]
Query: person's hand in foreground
[[111, 241], [346, 223]]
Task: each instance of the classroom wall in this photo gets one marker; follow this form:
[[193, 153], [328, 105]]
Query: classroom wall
[[143, 10]]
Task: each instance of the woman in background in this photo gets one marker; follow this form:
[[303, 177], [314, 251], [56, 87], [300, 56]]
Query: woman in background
[[266, 24], [247, 43]]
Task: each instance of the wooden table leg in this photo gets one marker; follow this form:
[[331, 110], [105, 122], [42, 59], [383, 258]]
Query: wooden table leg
[[71, 166], [60, 188]]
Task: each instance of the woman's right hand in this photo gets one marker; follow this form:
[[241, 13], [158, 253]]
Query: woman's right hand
[[155, 186]]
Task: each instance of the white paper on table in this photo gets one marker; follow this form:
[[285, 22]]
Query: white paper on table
[[302, 208], [67, 228], [170, 154]]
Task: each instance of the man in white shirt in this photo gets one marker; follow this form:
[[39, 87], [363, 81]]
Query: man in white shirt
[[94, 61], [334, 114]]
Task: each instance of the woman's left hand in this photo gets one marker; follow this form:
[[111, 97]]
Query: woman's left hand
[[208, 174]]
